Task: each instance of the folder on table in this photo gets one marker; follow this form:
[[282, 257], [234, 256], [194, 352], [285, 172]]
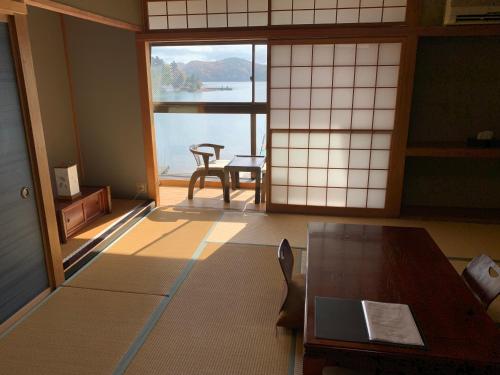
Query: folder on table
[[365, 321]]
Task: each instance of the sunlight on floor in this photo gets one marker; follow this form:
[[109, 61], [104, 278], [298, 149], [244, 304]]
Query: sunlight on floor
[[241, 200], [120, 208]]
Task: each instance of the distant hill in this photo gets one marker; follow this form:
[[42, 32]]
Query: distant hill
[[231, 70]]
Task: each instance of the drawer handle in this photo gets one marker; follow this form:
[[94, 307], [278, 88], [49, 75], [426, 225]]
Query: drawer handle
[[68, 220]]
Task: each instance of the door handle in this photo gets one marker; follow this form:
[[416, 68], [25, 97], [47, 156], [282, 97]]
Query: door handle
[[25, 192]]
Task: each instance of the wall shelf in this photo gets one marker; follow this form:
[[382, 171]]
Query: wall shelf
[[459, 30], [461, 214], [451, 150]]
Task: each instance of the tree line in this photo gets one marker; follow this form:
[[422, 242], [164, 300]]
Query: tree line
[[164, 75]]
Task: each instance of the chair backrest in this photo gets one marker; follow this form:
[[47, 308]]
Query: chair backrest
[[198, 155], [202, 157], [482, 275], [285, 257]]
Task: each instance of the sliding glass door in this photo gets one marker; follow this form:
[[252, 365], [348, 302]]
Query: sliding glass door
[[210, 93]]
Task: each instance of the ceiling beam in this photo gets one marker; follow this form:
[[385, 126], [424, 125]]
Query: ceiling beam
[[12, 7], [54, 6]]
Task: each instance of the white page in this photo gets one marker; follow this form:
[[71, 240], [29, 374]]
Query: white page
[[391, 322]]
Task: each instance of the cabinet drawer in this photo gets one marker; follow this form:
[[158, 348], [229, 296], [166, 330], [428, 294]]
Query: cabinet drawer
[[73, 217], [92, 206]]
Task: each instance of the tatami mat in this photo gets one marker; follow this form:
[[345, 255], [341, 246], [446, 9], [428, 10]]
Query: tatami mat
[[455, 239], [151, 256], [76, 332], [222, 319]]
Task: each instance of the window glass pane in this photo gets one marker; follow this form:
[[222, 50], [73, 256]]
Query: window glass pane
[[207, 73], [261, 73], [176, 132]]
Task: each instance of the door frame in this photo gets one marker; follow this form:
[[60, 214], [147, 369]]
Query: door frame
[[35, 140]]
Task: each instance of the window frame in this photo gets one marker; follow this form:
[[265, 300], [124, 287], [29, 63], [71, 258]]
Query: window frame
[[252, 108]]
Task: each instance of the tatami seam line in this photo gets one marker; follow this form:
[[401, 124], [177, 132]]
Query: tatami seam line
[[155, 316], [115, 290], [252, 244]]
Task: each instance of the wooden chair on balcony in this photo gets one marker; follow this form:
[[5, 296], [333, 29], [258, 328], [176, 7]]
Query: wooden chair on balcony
[[206, 166]]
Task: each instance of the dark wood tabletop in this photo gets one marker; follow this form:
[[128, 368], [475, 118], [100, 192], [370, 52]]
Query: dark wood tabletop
[[398, 265], [247, 163]]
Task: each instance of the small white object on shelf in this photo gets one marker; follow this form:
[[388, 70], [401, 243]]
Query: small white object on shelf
[[486, 135], [391, 322], [67, 182]]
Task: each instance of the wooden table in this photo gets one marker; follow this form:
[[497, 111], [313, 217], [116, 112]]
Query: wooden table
[[400, 265], [243, 163]]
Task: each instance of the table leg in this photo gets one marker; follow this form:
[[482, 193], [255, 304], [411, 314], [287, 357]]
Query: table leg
[[313, 365], [234, 180], [237, 179], [226, 185], [257, 188]]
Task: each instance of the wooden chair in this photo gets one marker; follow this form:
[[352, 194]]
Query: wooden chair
[[291, 313], [206, 167], [285, 258], [482, 276]]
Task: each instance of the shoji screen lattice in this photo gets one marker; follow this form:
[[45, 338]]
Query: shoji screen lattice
[[194, 14], [304, 12], [332, 115], [191, 14]]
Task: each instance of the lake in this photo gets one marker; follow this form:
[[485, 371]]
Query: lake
[[175, 132]]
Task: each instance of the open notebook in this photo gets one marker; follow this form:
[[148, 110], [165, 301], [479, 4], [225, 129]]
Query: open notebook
[[365, 321], [391, 322]]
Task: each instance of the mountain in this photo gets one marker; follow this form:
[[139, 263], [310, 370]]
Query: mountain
[[229, 70]]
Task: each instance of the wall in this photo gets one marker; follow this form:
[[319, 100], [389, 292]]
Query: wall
[[53, 86], [455, 96], [442, 182], [123, 10], [432, 12], [456, 91], [103, 64]]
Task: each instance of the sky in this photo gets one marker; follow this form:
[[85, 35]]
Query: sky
[[185, 54]]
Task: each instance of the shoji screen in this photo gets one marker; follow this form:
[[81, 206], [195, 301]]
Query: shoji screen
[[301, 12], [188, 14], [192, 14], [332, 115]]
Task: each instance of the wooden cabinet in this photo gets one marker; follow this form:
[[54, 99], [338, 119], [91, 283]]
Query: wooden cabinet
[[76, 214]]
